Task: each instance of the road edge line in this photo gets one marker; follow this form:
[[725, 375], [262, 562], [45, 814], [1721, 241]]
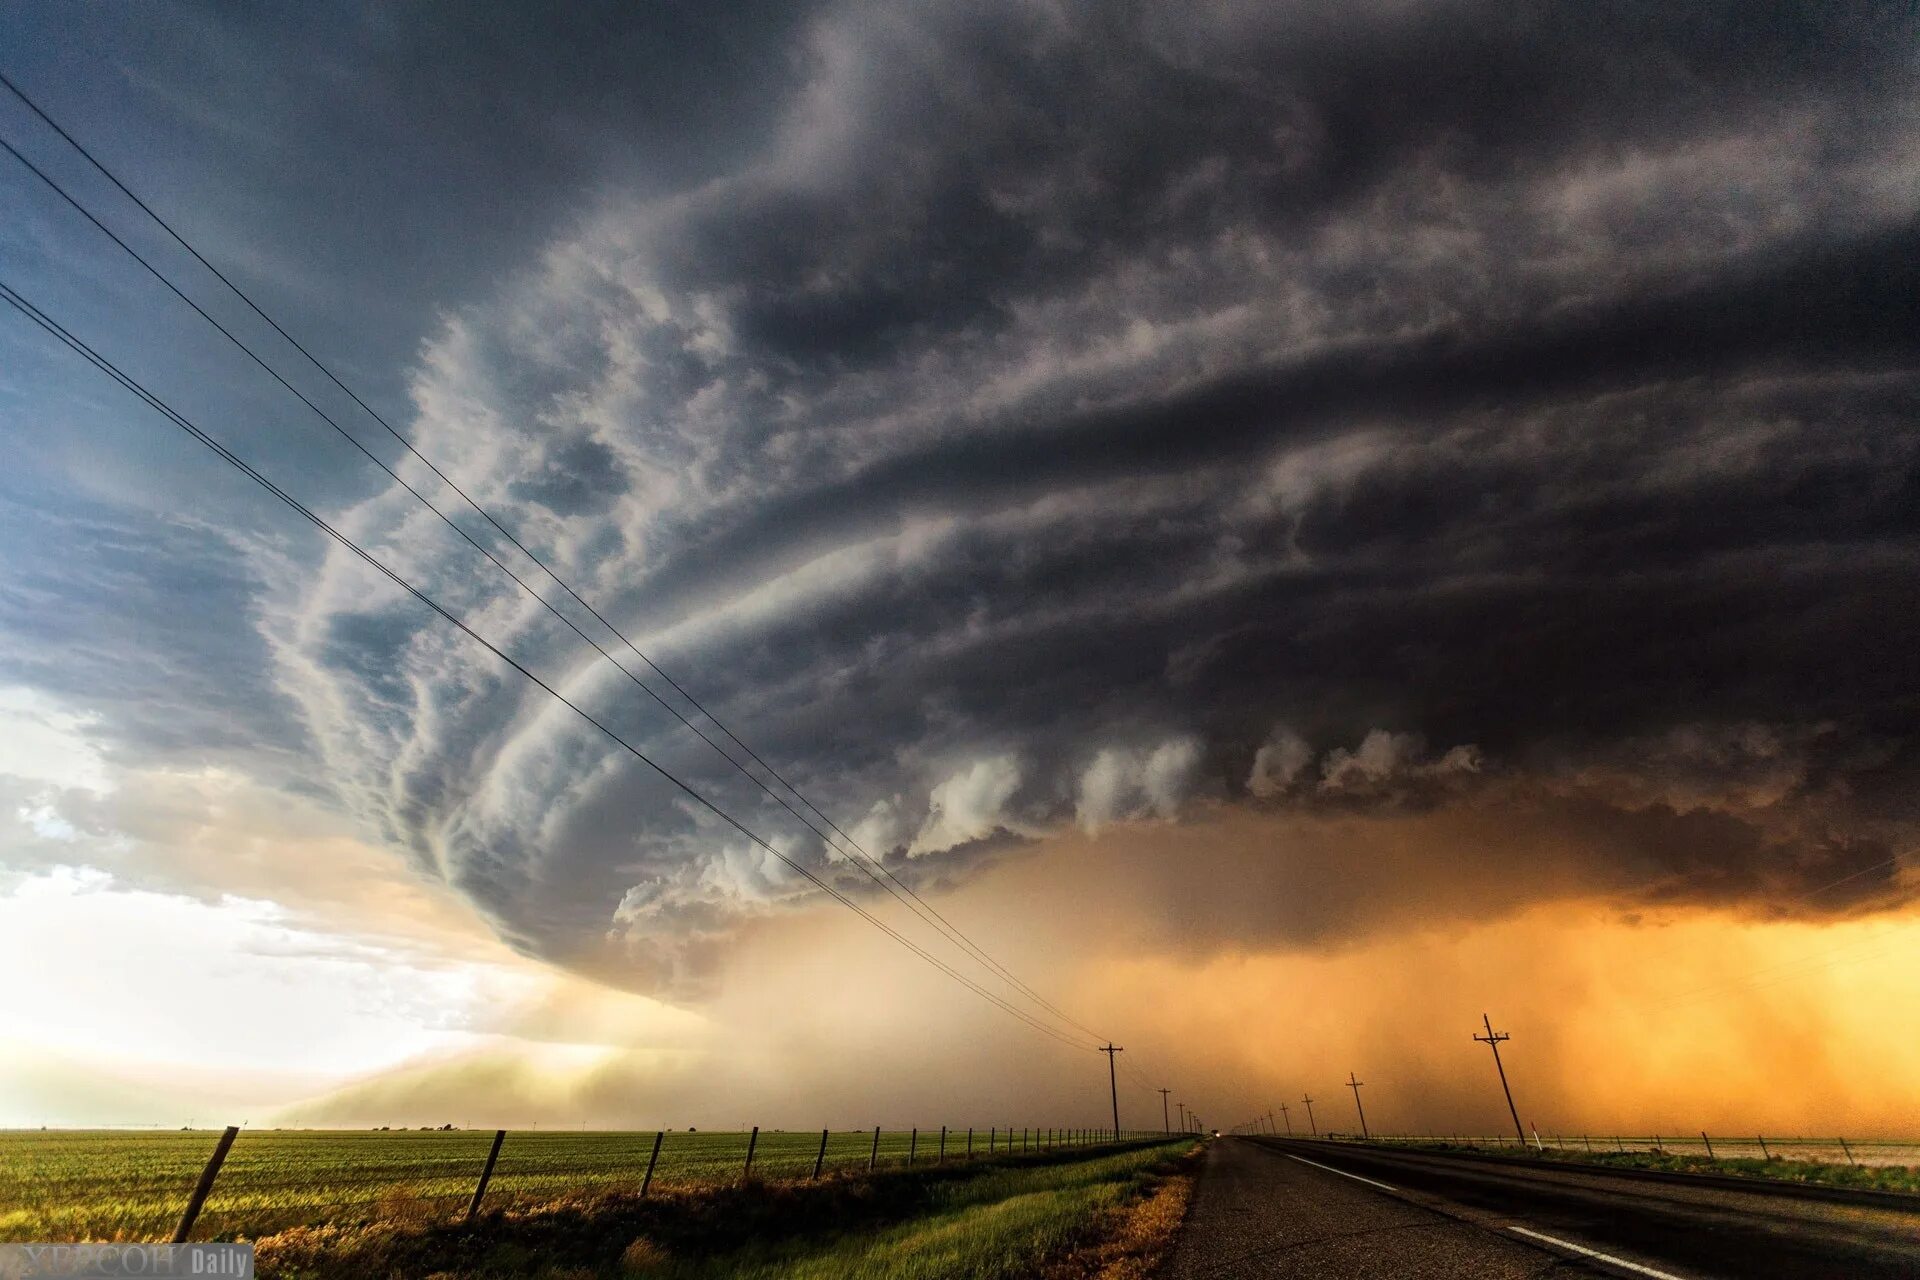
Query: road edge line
[[1342, 1172], [1594, 1253]]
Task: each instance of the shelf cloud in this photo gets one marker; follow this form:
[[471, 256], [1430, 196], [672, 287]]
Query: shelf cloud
[[1059, 422]]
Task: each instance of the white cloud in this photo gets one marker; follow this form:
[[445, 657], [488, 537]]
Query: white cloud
[[1123, 783], [1278, 762], [44, 742], [1379, 756], [1168, 775], [968, 805], [1384, 758]]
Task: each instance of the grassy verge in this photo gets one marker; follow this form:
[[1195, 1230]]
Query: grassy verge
[[1815, 1172], [981, 1223]]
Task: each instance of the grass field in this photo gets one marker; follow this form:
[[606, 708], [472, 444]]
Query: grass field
[[1814, 1161], [1065, 1214], [72, 1185]]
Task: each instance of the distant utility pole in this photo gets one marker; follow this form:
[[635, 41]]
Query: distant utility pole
[[1354, 1084], [1270, 1127], [1288, 1119], [1166, 1126], [1310, 1124], [1183, 1116], [1492, 1040], [1113, 1086]]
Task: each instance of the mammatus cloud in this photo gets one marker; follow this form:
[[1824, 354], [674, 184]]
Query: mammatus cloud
[[1075, 419]]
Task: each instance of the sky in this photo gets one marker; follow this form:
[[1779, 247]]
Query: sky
[[1293, 526]]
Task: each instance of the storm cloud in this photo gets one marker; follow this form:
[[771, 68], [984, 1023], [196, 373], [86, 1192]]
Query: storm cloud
[[1062, 416]]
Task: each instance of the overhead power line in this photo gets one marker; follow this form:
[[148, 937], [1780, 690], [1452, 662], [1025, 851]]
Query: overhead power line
[[93, 357], [858, 856]]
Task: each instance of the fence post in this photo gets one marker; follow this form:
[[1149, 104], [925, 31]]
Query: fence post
[[753, 1140], [486, 1174], [1656, 1145], [1709, 1141], [1849, 1150], [1761, 1138], [913, 1145], [942, 1157], [969, 1144], [873, 1157], [652, 1160], [205, 1185], [1589, 1141], [820, 1159], [993, 1136]]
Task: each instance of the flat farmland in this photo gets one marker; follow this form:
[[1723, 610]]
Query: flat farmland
[[97, 1185]]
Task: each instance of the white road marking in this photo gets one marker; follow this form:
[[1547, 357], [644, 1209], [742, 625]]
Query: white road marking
[[1569, 1245], [1595, 1253], [1342, 1172]]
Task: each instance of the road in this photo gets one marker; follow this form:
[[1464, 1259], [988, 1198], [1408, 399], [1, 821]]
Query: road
[[1272, 1208]]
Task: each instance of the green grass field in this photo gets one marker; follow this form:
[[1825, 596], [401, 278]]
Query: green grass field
[[1784, 1162], [987, 1221], [72, 1185], [1002, 1224]]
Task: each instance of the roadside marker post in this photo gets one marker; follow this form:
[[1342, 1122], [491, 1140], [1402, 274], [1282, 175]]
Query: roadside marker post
[[820, 1158]]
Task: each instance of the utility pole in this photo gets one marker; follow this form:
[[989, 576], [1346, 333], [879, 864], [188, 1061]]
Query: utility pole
[[1270, 1128], [1492, 1040], [1310, 1124], [1354, 1084], [1165, 1125], [1113, 1086], [1183, 1116], [1288, 1119]]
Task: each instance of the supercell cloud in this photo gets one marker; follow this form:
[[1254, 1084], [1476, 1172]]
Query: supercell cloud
[[1060, 417]]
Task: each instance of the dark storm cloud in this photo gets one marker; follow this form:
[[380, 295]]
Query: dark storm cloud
[[1021, 415]]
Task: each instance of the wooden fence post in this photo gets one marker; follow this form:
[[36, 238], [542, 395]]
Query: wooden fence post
[[993, 1136], [1762, 1140], [753, 1140], [1709, 1141], [873, 1157], [913, 1145], [942, 1157], [969, 1144], [486, 1173], [1849, 1150], [205, 1185], [820, 1159], [652, 1160]]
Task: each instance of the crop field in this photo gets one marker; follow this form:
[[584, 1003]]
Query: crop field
[[73, 1185]]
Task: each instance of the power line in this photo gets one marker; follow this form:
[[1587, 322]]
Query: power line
[[79, 347], [863, 860]]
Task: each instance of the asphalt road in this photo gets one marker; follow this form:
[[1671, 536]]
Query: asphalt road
[[1273, 1208]]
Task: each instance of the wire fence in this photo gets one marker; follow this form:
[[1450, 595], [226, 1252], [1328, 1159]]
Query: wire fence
[[116, 1185]]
